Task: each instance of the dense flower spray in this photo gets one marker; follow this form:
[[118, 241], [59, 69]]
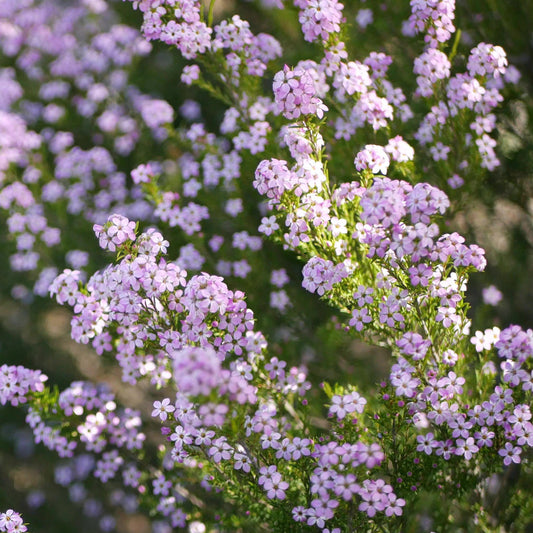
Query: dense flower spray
[[351, 178]]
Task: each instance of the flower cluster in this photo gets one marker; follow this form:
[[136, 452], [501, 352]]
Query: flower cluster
[[115, 232], [470, 96], [100, 426], [75, 74], [197, 372], [373, 158], [11, 522], [320, 275], [319, 19], [433, 17], [487, 60], [466, 428], [145, 287], [16, 382], [186, 31], [295, 94]]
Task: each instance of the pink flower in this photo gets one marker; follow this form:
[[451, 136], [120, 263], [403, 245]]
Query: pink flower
[[163, 409], [295, 94]]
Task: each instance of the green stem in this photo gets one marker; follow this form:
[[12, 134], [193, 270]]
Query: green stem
[[455, 45], [210, 13]]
